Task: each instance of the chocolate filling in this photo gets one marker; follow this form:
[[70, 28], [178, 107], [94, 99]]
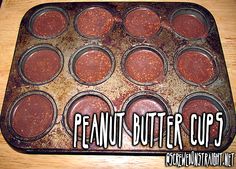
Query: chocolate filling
[[200, 106], [141, 106], [92, 66], [86, 105], [50, 23], [195, 66], [145, 66], [142, 22], [32, 116], [42, 65], [94, 22], [189, 26]]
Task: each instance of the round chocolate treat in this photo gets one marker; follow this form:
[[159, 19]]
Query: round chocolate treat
[[32, 116], [189, 26], [144, 66], [200, 106], [195, 67], [48, 23], [86, 104], [92, 65], [94, 22], [142, 103], [142, 22], [41, 64]]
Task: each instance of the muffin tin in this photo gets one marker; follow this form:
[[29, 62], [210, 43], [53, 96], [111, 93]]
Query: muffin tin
[[143, 57]]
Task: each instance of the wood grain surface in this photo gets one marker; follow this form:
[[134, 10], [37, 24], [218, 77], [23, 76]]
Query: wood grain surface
[[11, 13]]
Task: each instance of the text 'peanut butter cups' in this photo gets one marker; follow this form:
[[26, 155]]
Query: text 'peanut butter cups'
[[32, 115]]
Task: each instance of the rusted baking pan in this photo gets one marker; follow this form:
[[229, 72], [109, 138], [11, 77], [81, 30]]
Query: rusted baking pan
[[114, 57]]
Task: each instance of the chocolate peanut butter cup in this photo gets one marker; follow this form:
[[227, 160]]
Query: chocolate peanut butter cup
[[144, 65], [86, 103], [40, 64], [92, 65], [48, 22], [196, 66], [199, 103], [142, 103], [32, 115], [190, 23], [94, 22], [142, 22]]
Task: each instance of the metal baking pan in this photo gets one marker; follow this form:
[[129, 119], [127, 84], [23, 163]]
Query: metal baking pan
[[113, 57]]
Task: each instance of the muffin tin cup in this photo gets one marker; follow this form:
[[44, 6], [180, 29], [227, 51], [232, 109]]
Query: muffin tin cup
[[33, 49], [41, 11], [127, 11], [94, 37], [12, 107], [192, 12], [145, 95], [217, 103], [143, 47], [200, 50], [84, 49], [65, 121]]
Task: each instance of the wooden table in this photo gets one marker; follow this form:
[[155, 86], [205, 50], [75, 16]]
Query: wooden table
[[11, 13]]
